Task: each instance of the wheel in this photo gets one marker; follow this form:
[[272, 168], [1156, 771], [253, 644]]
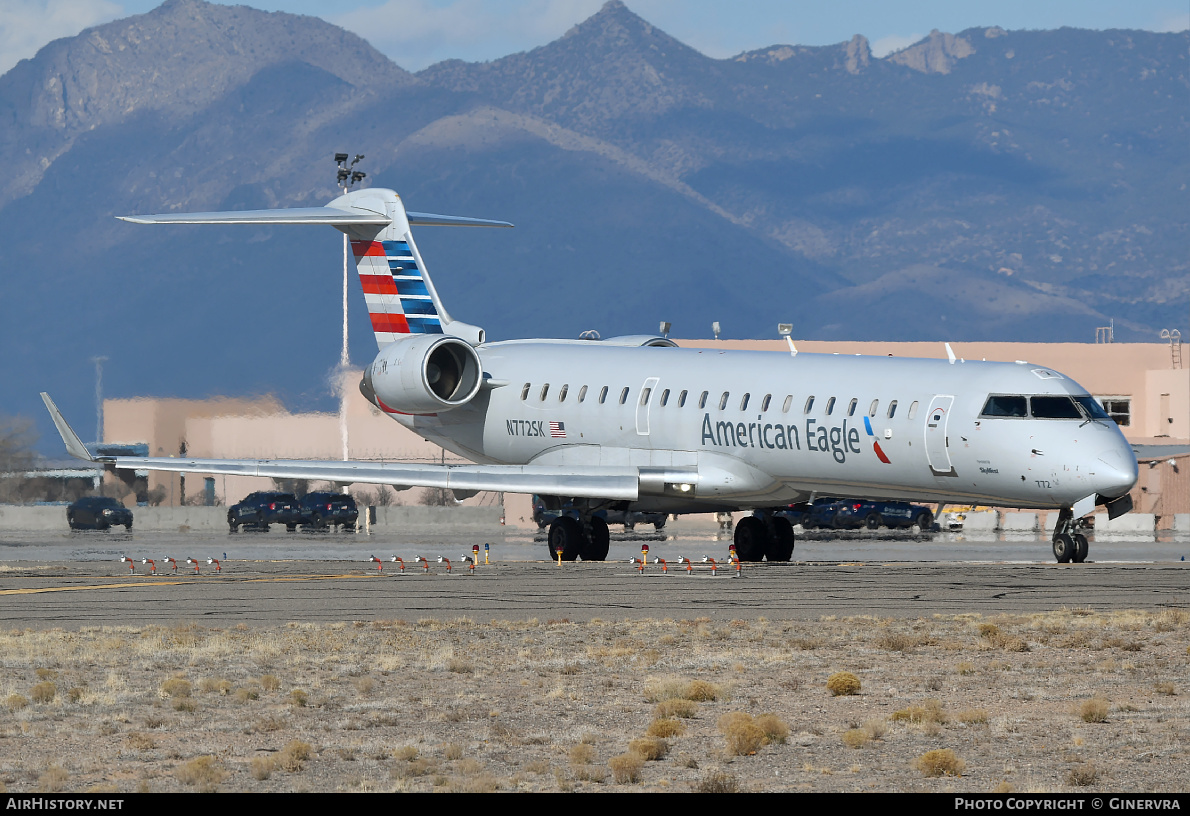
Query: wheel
[[629, 526], [234, 527], [565, 534], [925, 520], [263, 526], [1064, 547], [1081, 548], [873, 521], [750, 539], [128, 527], [601, 540], [291, 528], [659, 525], [780, 545], [349, 527]]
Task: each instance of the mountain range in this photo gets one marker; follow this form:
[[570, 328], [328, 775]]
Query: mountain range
[[986, 184]]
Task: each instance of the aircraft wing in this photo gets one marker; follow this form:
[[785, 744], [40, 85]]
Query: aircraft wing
[[592, 482]]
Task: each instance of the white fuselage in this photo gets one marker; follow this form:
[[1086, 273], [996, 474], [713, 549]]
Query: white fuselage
[[774, 428]]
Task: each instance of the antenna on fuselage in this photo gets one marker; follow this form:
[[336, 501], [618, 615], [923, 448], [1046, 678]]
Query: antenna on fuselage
[[665, 327], [715, 329], [786, 331]]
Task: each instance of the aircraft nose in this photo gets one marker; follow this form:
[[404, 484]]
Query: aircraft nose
[[1117, 473]]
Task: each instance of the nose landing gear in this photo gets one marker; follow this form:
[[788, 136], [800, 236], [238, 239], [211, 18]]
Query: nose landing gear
[[1069, 544]]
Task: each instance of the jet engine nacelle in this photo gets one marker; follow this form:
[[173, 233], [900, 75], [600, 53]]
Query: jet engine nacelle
[[423, 374]]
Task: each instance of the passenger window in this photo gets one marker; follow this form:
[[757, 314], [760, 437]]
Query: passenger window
[[744, 402], [809, 404], [702, 401], [1005, 406], [874, 407], [912, 410], [682, 400], [830, 406], [851, 407], [603, 395], [525, 392], [788, 404], [562, 393], [664, 397], [545, 389], [764, 404], [582, 393], [723, 401], [892, 409], [624, 395], [1054, 408], [644, 395]]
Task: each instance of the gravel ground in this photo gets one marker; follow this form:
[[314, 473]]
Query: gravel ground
[[1070, 700]]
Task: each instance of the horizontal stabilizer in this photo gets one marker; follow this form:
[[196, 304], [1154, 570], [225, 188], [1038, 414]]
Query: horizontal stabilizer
[[332, 216]]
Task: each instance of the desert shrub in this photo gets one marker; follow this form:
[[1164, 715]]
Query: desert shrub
[[459, 665], [16, 702], [1165, 688], [1080, 776], [246, 694], [700, 691], [669, 688], [649, 748], [453, 751], [406, 753], [666, 728], [581, 754], [140, 742], [298, 698], [176, 687], [875, 728], [930, 711], [668, 709], [939, 762], [293, 756], [46, 674], [589, 773], [775, 729], [626, 768], [856, 738], [209, 685], [44, 692], [972, 716], [718, 782], [1094, 710], [743, 736], [262, 767], [185, 704], [270, 682], [202, 772], [842, 684], [53, 779]]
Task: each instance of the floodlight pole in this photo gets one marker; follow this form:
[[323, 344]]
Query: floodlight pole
[[346, 176], [98, 361]]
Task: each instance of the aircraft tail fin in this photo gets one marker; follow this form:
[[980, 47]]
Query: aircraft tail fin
[[398, 291]]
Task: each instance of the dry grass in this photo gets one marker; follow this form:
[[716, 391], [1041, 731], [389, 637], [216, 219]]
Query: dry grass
[[1082, 775], [842, 684], [1094, 710], [53, 780], [650, 749], [382, 709], [204, 773], [44, 692], [939, 762]]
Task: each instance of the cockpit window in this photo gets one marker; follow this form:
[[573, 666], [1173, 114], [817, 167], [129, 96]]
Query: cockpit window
[[1092, 407], [1005, 406], [1054, 408]]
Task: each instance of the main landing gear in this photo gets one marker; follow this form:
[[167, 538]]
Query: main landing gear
[[764, 535], [1069, 543], [588, 539]]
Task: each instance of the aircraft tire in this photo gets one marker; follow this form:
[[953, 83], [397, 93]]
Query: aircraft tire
[[1081, 548], [565, 533], [601, 538], [780, 546], [1063, 548], [750, 539]]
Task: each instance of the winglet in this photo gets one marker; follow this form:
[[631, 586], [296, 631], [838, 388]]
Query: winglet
[[74, 445]]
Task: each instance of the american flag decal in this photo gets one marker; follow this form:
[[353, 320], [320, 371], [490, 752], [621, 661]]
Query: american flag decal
[[558, 430]]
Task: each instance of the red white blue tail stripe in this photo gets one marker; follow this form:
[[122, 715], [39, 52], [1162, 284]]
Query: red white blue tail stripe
[[399, 302]]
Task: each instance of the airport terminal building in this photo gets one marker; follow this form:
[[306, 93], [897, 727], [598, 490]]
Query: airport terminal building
[[1143, 386]]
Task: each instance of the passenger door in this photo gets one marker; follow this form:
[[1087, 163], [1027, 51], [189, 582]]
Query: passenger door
[[643, 405], [936, 440]]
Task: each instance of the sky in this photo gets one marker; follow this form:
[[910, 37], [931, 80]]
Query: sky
[[418, 33]]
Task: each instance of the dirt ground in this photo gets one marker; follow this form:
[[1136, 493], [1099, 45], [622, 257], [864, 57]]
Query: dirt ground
[[1071, 700]]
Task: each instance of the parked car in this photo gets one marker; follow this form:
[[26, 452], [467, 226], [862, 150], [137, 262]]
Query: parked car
[[815, 514], [629, 518], [97, 513], [263, 508], [873, 515], [322, 509]]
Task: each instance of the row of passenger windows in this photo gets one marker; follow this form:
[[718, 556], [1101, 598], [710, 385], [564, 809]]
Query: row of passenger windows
[[724, 400]]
